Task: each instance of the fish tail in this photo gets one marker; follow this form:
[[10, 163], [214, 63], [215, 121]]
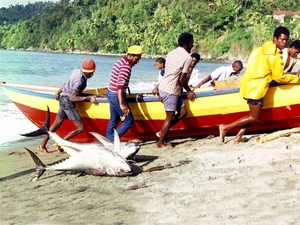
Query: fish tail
[[42, 130], [40, 166]]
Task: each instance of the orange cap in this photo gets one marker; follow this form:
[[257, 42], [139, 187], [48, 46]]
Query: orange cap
[[88, 66]]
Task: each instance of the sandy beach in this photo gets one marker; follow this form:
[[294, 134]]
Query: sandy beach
[[198, 181]]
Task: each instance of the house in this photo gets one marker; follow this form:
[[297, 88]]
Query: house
[[279, 15]]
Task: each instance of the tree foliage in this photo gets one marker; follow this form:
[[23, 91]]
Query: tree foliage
[[220, 28]]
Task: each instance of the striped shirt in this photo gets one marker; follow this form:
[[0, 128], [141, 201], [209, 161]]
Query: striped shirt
[[120, 75], [177, 61]]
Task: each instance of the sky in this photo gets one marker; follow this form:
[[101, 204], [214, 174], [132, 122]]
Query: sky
[[6, 3]]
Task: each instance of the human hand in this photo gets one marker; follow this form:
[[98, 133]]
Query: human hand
[[155, 90], [56, 96], [125, 109], [92, 98], [191, 95]]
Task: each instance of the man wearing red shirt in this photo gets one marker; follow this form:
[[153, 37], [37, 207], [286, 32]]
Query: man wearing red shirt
[[116, 93]]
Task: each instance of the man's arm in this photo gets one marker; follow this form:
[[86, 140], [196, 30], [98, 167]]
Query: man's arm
[[205, 80], [125, 109], [75, 98], [58, 92], [184, 83], [277, 71], [155, 90]]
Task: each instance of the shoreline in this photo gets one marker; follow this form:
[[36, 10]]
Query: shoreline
[[205, 58], [19, 144], [198, 181]]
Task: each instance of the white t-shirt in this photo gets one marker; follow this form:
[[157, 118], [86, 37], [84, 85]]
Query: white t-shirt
[[293, 61], [222, 73], [195, 77], [160, 74]]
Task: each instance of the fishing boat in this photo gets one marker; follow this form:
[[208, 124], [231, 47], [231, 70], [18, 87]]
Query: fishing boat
[[211, 108]]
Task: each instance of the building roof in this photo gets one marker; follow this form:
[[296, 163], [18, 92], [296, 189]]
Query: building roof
[[285, 12]]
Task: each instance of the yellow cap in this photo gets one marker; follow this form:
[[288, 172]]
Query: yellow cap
[[135, 50]]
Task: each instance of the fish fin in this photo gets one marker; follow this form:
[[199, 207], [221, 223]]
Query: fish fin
[[40, 166], [117, 143], [42, 130], [102, 139]]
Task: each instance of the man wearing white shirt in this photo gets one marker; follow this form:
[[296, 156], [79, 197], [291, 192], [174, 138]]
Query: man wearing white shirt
[[290, 56], [195, 78], [222, 73]]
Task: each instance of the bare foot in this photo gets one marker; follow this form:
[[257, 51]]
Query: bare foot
[[58, 148], [42, 149], [237, 141], [163, 145], [210, 136], [158, 134], [222, 132]]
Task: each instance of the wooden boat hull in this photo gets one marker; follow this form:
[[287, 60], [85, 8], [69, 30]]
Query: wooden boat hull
[[211, 108]]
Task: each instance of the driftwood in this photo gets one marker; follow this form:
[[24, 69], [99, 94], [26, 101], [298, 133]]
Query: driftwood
[[283, 133]]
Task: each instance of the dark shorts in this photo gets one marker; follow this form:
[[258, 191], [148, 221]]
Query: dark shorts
[[255, 102], [68, 109], [171, 102]]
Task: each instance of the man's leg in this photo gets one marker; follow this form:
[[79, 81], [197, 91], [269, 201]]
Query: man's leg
[[79, 129], [165, 128], [254, 114], [73, 115], [243, 122], [127, 123], [57, 123], [181, 113], [115, 113]]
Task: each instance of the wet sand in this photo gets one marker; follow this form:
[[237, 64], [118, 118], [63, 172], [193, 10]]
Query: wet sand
[[198, 181]]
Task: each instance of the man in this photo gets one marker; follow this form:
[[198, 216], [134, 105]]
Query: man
[[264, 65], [290, 56], [178, 65], [160, 65], [116, 93], [68, 95], [222, 73], [192, 71]]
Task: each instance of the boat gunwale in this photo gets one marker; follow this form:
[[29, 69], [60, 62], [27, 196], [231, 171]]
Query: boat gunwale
[[49, 91]]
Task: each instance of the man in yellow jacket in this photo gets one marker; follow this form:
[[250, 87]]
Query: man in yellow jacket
[[265, 64]]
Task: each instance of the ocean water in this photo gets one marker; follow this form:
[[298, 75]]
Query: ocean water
[[44, 68]]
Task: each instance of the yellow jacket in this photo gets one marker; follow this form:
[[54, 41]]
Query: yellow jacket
[[264, 65]]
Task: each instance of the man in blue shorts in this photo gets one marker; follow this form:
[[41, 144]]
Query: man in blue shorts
[[177, 69], [68, 95]]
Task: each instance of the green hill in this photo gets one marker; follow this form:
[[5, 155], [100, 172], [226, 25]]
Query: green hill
[[221, 29]]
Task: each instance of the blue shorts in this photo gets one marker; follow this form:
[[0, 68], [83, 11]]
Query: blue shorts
[[68, 109], [171, 102]]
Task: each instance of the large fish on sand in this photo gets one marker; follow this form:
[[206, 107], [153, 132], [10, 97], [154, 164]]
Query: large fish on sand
[[126, 149], [90, 158], [98, 162]]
